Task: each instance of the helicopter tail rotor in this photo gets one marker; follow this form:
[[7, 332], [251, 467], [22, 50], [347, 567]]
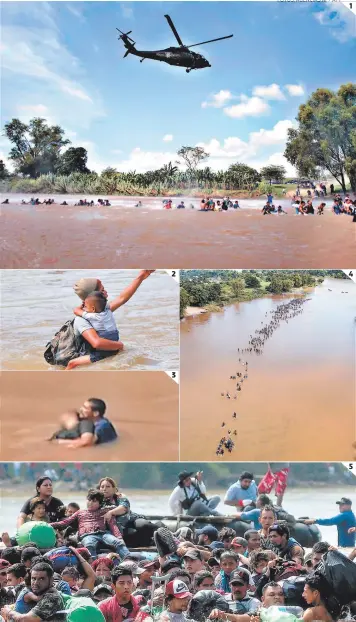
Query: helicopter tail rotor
[[125, 35]]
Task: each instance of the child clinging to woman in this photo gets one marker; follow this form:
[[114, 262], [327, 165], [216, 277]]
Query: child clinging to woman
[[97, 311]]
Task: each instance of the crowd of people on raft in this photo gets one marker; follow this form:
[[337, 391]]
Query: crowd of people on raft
[[193, 574], [282, 313]]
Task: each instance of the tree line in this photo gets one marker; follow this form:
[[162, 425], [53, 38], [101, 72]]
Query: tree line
[[164, 476], [323, 143], [216, 288]]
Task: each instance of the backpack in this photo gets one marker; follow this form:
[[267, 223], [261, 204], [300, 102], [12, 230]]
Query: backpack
[[64, 346]]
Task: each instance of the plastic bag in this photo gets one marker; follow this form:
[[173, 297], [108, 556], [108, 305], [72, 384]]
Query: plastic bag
[[340, 573], [38, 532], [204, 602], [277, 614]]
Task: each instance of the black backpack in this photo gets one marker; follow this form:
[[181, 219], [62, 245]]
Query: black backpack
[[64, 346]]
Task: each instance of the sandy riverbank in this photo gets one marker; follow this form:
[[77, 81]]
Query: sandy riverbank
[[143, 406], [75, 237]]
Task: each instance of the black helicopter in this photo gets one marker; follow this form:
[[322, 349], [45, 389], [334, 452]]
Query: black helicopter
[[180, 57]]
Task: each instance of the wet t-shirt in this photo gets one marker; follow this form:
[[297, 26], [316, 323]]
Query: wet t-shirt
[[55, 509]]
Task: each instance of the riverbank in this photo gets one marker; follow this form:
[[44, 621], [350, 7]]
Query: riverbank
[[295, 376], [131, 238]]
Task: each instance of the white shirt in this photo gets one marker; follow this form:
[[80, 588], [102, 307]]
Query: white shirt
[[178, 496]]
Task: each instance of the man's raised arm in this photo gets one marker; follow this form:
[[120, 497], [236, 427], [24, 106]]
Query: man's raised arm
[[129, 291]]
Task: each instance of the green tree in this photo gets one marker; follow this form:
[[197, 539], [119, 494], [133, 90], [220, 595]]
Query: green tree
[[273, 172], [242, 176], [326, 136], [252, 281], [74, 160], [237, 286], [192, 157], [36, 146], [4, 173], [184, 301]]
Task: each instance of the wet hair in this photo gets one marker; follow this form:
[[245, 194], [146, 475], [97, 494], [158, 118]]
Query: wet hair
[[246, 475], [228, 554], [71, 571], [74, 504], [217, 553], [35, 502], [200, 576], [40, 481], [317, 582], [18, 570], [43, 567], [29, 553], [98, 406], [256, 557], [320, 547], [270, 584], [95, 495], [41, 559], [226, 533], [144, 593], [11, 555], [268, 508], [179, 572], [249, 533], [99, 300], [264, 500], [120, 572], [281, 529]]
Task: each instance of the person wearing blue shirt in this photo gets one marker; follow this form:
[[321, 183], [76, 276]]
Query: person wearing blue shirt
[[243, 492], [344, 522], [254, 515]]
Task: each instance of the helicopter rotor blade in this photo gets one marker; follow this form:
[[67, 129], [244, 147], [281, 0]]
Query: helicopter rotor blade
[[174, 30], [210, 41]]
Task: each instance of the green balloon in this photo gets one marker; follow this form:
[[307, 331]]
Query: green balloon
[[37, 531], [83, 609]]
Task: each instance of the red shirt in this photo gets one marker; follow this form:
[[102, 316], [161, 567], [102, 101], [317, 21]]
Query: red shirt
[[114, 612], [90, 521]]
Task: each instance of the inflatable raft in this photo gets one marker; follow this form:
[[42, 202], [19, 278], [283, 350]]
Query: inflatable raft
[[306, 535]]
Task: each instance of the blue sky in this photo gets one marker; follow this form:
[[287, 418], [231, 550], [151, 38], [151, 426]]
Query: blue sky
[[62, 61]]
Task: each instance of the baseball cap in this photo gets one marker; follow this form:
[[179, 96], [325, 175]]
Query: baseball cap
[[131, 565], [344, 500], [208, 530], [169, 564], [193, 554], [103, 587], [239, 542], [178, 589], [240, 576], [216, 545]]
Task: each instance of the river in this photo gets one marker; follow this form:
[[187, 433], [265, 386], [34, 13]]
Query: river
[[314, 502], [298, 402], [49, 236], [35, 304]]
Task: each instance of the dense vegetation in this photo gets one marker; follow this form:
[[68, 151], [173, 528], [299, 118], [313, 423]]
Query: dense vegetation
[[325, 141], [156, 476], [213, 289]]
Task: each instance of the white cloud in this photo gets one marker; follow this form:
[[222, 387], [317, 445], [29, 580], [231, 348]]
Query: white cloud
[[126, 11], [278, 134], [295, 90], [36, 109], [249, 107], [36, 65], [218, 100], [339, 19], [142, 161], [73, 8], [167, 138], [273, 91]]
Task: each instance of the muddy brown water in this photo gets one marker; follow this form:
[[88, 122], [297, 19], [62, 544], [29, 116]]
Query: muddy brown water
[[36, 303], [142, 405], [298, 402], [125, 237]]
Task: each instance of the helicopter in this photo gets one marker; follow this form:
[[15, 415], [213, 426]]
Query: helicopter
[[179, 56]]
